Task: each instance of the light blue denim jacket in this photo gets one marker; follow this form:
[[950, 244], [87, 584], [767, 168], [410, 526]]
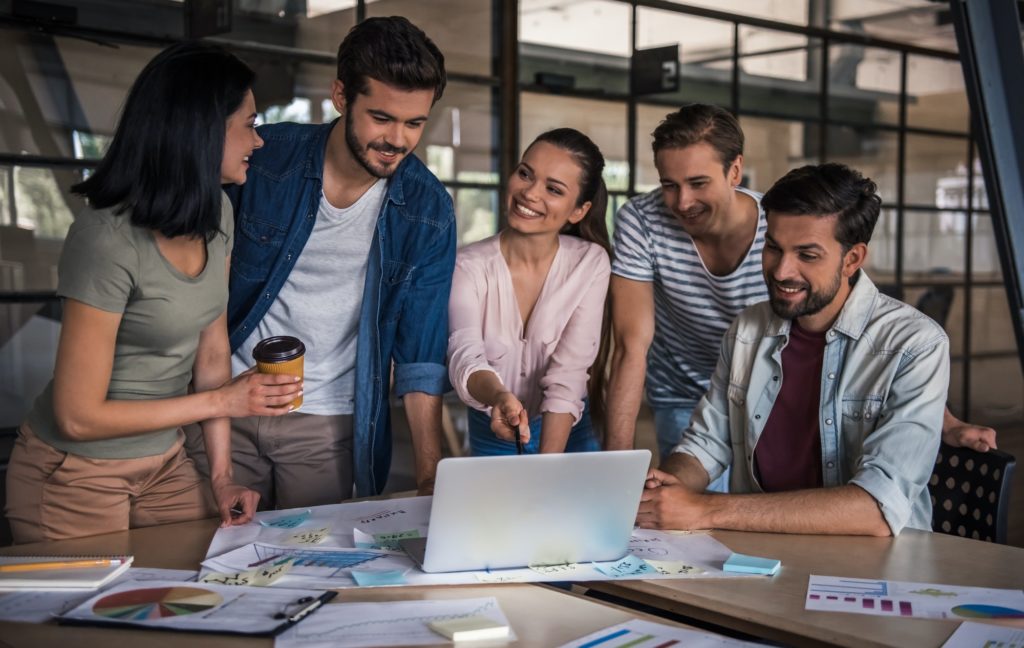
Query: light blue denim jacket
[[884, 380]]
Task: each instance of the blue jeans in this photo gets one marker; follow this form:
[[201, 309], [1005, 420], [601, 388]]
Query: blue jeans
[[669, 425], [483, 443]]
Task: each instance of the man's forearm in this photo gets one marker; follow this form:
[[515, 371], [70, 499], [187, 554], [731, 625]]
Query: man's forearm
[[845, 510], [423, 412], [688, 470], [625, 392]]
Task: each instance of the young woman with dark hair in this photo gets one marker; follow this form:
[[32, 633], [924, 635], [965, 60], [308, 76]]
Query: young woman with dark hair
[[528, 319], [143, 277]]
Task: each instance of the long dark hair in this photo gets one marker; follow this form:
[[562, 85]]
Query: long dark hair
[[163, 165], [592, 227]]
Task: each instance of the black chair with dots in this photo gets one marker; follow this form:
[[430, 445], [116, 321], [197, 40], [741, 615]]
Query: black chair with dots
[[971, 493]]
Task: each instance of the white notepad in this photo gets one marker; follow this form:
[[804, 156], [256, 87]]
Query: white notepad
[[60, 572]]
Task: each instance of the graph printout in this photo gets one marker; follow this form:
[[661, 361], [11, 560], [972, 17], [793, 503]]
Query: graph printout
[[922, 600], [201, 607], [644, 634], [39, 606], [395, 623], [977, 635], [356, 551]]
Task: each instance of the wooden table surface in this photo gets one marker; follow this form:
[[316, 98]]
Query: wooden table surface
[[773, 607]]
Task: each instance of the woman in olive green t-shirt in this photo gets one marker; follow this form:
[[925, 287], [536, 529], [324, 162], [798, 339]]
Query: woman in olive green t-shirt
[[143, 275]]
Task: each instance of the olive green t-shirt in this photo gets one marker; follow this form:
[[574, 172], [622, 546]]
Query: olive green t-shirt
[[112, 265]]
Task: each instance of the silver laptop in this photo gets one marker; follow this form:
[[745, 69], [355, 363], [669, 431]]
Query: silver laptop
[[520, 510]]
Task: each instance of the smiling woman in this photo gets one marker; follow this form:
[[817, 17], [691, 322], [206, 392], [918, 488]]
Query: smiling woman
[[527, 315], [143, 277]]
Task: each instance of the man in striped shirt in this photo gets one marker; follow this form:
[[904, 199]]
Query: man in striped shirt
[[687, 261]]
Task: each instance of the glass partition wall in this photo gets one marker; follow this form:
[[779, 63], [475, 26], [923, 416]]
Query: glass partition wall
[[876, 85]]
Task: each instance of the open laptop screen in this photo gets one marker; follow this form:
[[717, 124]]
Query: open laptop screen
[[515, 511]]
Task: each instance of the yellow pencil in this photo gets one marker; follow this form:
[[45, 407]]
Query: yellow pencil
[[61, 564]]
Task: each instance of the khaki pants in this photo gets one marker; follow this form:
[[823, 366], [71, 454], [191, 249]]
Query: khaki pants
[[292, 461], [55, 495]]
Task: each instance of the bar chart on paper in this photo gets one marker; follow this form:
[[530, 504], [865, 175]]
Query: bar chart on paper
[[645, 634], [869, 595], [316, 558], [922, 600]]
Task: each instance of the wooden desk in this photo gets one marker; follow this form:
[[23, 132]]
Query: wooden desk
[[539, 615], [774, 608]]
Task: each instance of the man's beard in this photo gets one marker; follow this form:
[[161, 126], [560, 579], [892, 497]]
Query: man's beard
[[359, 153], [813, 301]]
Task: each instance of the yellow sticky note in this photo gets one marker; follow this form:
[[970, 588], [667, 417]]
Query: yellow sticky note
[[471, 628], [674, 568], [568, 569], [497, 578], [312, 536]]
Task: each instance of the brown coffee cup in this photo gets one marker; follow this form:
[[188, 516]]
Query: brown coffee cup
[[281, 354]]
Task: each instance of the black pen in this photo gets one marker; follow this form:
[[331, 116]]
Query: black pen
[[313, 605], [519, 442]]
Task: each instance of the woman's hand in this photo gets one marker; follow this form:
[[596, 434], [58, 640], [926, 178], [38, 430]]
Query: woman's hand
[[507, 416], [254, 394], [231, 496]]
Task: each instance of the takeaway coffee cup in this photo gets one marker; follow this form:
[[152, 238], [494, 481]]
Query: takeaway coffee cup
[[281, 354]]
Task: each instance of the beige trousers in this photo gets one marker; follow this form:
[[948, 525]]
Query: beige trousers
[[55, 495], [292, 461]]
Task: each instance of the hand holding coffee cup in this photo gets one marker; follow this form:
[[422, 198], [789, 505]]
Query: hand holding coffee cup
[[251, 393], [281, 355]]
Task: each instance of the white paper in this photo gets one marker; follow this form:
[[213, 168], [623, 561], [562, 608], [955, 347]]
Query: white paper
[[981, 635], [316, 566], [379, 516], [903, 599], [38, 606], [194, 606], [398, 623], [359, 525], [645, 634]]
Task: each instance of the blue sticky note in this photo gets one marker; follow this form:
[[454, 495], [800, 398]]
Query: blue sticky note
[[365, 578], [288, 521], [628, 566], [743, 564]]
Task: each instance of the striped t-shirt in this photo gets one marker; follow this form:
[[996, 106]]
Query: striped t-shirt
[[692, 307]]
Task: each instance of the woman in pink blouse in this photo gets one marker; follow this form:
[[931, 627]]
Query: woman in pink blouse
[[527, 315]]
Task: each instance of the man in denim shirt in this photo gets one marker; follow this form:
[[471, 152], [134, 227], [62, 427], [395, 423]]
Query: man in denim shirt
[[856, 458], [346, 241]]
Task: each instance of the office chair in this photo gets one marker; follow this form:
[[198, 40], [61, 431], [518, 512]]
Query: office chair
[[970, 493]]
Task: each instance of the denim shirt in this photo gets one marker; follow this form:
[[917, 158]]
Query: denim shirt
[[884, 379], [404, 313]]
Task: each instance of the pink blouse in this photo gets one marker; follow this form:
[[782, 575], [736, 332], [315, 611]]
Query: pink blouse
[[546, 366]]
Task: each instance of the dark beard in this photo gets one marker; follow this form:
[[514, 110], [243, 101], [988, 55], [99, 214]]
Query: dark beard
[[359, 153], [813, 302]]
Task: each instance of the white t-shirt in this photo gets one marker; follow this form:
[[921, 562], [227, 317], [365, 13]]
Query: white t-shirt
[[320, 302]]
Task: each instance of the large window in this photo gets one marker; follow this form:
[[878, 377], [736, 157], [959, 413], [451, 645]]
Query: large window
[[61, 96], [808, 87], [872, 83]]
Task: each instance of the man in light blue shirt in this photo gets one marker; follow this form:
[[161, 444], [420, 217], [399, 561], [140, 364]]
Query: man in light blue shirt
[[856, 458]]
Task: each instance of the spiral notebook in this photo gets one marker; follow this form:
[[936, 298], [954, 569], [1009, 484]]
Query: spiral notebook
[[60, 572]]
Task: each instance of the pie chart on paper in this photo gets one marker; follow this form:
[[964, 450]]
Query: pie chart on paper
[[156, 603], [978, 611]]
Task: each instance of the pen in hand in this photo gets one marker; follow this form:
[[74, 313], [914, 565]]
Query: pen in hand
[[519, 442]]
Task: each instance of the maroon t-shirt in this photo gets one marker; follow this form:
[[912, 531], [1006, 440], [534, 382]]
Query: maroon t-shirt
[[788, 453]]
